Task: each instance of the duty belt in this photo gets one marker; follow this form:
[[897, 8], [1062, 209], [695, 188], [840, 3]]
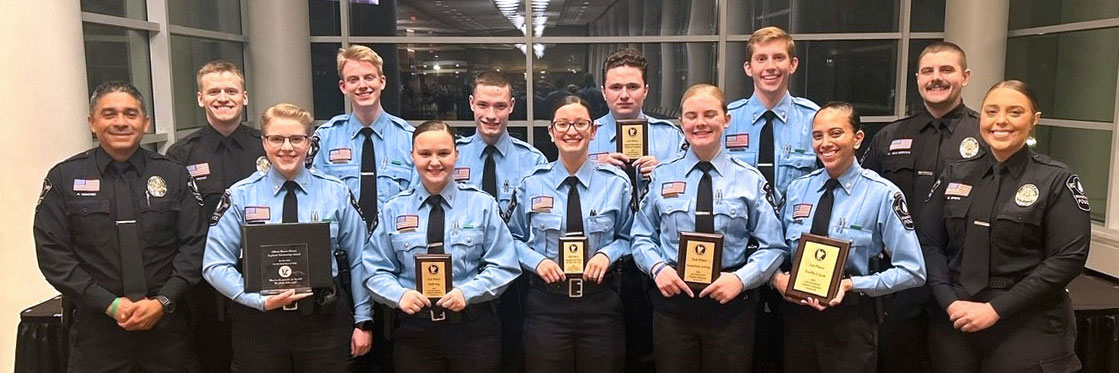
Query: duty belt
[[574, 287]]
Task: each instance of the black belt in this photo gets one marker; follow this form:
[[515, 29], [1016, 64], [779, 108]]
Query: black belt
[[440, 314], [994, 282], [574, 287]]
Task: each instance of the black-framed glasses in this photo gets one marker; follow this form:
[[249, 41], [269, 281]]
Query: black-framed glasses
[[580, 125], [277, 140]]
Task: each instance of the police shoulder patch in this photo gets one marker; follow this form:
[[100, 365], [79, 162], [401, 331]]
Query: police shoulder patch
[[507, 213], [192, 186], [901, 209], [314, 149], [1074, 186], [932, 190], [354, 203], [223, 205], [43, 194], [769, 196]]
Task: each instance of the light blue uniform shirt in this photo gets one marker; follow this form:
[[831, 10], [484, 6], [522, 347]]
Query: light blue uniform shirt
[[868, 210], [540, 215], [743, 208], [792, 136], [337, 152], [513, 160], [665, 139], [483, 259], [321, 198]]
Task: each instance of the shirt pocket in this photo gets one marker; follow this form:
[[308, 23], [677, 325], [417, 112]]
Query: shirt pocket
[[545, 233], [1020, 228], [955, 219], [731, 219], [862, 246], [345, 171], [466, 247], [900, 169], [600, 229], [158, 221], [90, 222], [391, 179], [675, 217]]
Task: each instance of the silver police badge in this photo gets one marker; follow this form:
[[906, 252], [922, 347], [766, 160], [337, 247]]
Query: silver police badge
[[969, 147], [262, 164], [1027, 195], [157, 187]]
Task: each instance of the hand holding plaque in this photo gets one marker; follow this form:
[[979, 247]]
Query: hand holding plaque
[[573, 255], [699, 259], [817, 268], [433, 275], [633, 138]]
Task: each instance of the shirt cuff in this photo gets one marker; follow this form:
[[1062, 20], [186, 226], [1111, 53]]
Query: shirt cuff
[[173, 288]]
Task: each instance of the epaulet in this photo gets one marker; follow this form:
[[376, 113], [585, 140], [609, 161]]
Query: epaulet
[[905, 118], [400, 122], [611, 169], [972, 113], [469, 187], [740, 162], [76, 157], [1046, 160], [801, 101], [738, 103], [675, 159], [253, 132], [541, 169], [875, 177], [193, 136], [403, 193], [321, 175], [464, 140], [158, 157], [340, 118], [526, 145], [253, 177]]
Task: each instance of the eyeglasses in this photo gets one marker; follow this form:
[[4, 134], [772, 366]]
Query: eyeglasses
[[277, 140], [581, 125]]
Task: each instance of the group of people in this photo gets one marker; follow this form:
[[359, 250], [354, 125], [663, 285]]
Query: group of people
[[962, 239]]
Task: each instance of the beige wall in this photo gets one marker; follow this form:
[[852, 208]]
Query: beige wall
[[44, 82]]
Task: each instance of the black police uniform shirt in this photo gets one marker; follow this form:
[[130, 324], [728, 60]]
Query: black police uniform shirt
[[76, 237], [905, 151], [203, 154], [1039, 235]]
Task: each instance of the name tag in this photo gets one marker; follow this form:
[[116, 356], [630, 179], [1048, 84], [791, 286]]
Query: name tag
[[461, 174], [199, 170], [406, 222], [257, 213], [341, 155], [738, 141], [673, 188], [542, 203]]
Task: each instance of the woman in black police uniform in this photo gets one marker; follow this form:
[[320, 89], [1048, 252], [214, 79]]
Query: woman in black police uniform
[[1003, 234]]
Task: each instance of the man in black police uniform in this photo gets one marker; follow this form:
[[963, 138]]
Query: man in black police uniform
[[911, 153], [217, 156], [117, 230]]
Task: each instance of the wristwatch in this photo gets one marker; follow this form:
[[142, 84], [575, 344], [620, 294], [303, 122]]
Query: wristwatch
[[364, 325], [168, 304]]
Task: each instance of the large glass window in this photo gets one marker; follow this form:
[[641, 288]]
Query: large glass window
[[818, 16], [188, 54], [628, 18], [913, 101], [437, 79], [437, 18], [135, 9], [325, 18], [1087, 152], [926, 16], [1034, 13], [116, 53], [328, 99], [214, 15], [1073, 74]]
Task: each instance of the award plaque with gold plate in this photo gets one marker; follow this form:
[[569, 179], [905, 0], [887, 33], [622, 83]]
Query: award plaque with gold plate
[[699, 259], [817, 268], [433, 275], [633, 137], [573, 255]]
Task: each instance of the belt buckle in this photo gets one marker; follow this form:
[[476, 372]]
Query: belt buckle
[[575, 288], [291, 307], [440, 316]]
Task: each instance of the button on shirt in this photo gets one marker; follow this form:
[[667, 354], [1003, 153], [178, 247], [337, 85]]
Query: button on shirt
[[483, 259], [337, 152], [539, 218], [792, 136], [76, 236], [513, 160], [1039, 235], [321, 198], [870, 212], [743, 208], [897, 151], [201, 152]]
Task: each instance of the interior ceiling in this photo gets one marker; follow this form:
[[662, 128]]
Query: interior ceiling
[[467, 17]]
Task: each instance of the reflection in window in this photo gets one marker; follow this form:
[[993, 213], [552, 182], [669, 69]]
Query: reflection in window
[[115, 53], [436, 80], [913, 101], [437, 18], [1085, 152], [1073, 74], [628, 18], [188, 54], [927, 16], [861, 72], [817, 16], [328, 99], [214, 15], [567, 69], [135, 9], [1034, 13], [324, 17]]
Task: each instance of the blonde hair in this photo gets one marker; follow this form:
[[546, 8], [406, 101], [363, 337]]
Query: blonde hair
[[218, 66], [359, 53], [768, 34], [285, 110], [705, 89]]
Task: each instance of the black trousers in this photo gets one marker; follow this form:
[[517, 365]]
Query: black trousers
[[98, 344], [471, 344], [210, 328], [701, 335], [843, 338], [904, 334], [564, 334], [288, 341], [511, 310], [1037, 339], [638, 315]]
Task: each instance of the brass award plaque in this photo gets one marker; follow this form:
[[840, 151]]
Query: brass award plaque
[[433, 275], [573, 255], [817, 267], [633, 137], [699, 258]]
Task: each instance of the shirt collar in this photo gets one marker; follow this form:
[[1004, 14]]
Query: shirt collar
[[502, 145], [104, 160], [239, 137], [782, 109], [951, 118], [276, 180], [583, 174], [448, 193], [719, 161], [354, 125], [846, 180], [1016, 164]]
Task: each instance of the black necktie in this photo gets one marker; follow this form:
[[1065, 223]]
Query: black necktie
[[765, 148], [368, 200], [291, 203], [974, 271], [131, 260], [704, 220], [228, 168], [489, 172], [435, 224], [928, 157], [822, 217], [574, 206]]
